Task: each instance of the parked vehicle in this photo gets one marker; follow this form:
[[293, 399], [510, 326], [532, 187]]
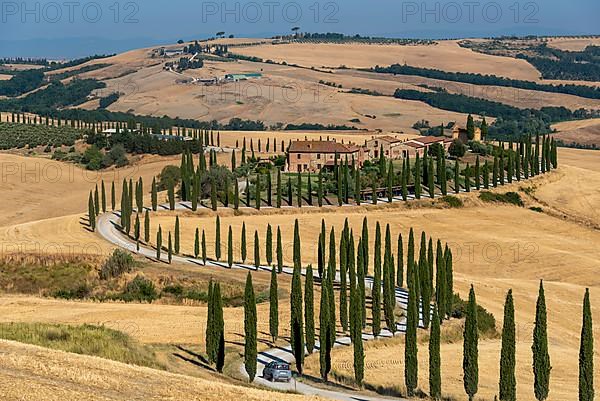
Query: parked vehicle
[[277, 371]]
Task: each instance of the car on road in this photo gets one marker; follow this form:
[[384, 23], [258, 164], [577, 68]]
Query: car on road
[[277, 371]]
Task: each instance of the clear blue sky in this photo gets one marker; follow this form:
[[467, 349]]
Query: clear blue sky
[[157, 21]]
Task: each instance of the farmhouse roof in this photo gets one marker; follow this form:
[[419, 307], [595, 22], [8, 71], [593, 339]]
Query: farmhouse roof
[[322, 147]]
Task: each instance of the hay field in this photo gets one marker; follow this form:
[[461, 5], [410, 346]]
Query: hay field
[[283, 95], [573, 43], [34, 373], [576, 193], [446, 55], [39, 188]]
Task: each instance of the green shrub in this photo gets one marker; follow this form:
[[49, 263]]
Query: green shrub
[[453, 201], [509, 197], [486, 323], [139, 289], [80, 292], [118, 263], [536, 209]]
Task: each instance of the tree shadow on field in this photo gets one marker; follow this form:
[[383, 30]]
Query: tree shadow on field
[[197, 359]]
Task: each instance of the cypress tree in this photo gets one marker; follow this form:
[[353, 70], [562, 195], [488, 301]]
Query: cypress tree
[[177, 234], [441, 282], [309, 190], [539, 348], [154, 195], [390, 182], [203, 245], [309, 313], [230, 248], [404, 181], [112, 196], [250, 352], [257, 193], [299, 189], [219, 327], [247, 191], [470, 348], [331, 266], [137, 230], [196, 243], [171, 196], [103, 198], [389, 297], [468, 178], [209, 335], [273, 306], [213, 194], [359, 355], [320, 189], [321, 254], [158, 242], [96, 201], [365, 242], [297, 254], [278, 197], [456, 177], [400, 262], [279, 251], [435, 375], [218, 238], [269, 245], [343, 279], [236, 194], [256, 251], [290, 194], [361, 261], [486, 175], [243, 243], [324, 335], [477, 174], [430, 179], [417, 178], [586, 353], [376, 290], [495, 172], [357, 187], [296, 321], [507, 384], [92, 212], [147, 227], [450, 280], [410, 338]]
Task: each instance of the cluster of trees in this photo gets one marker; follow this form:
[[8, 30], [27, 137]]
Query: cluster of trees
[[55, 96], [343, 38], [108, 100], [21, 82], [318, 127], [512, 121], [16, 136], [555, 63], [480, 79]]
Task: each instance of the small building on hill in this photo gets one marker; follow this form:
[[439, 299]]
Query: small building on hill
[[305, 156], [391, 146], [421, 144], [461, 133]]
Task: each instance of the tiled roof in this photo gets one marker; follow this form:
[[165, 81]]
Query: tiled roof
[[387, 138], [322, 147], [427, 140]]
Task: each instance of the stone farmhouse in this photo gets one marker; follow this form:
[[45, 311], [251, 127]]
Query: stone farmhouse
[[305, 156]]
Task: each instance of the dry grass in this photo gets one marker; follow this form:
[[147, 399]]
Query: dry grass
[[33, 373], [446, 55], [39, 188], [85, 340], [573, 44]]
